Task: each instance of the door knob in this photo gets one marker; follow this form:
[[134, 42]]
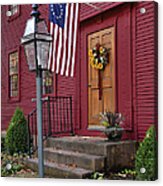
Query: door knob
[[89, 85]]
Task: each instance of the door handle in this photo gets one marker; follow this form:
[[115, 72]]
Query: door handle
[[89, 85]]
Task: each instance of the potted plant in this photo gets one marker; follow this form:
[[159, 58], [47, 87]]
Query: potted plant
[[113, 125]]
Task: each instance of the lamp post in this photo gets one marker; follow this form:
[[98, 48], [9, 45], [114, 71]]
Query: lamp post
[[36, 41]]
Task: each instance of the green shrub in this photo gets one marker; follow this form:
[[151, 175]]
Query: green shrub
[[146, 157], [2, 143], [97, 176], [17, 133]]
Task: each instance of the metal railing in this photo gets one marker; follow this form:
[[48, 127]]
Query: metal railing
[[56, 117]]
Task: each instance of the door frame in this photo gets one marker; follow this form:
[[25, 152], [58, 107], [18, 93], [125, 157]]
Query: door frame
[[97, 23]]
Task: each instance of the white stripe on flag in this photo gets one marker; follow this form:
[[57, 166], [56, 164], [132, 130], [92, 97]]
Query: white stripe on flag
[[50, 50], [54, 46], [59, 50], [74, 40], [70, 38]]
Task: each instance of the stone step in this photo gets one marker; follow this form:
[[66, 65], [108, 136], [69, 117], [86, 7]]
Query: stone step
[[56, 170], [95, 146], [86, 161]]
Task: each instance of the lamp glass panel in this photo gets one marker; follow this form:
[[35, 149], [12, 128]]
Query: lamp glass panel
[[42, 53], [42, 27], [30, 55], [29, 29]]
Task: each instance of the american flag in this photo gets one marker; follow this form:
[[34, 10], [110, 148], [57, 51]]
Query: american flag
[[64, 27]]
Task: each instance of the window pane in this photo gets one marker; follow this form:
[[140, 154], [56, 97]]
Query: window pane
[[13, 73], [14, 63], [13, 9], [47, 82], [14, 82], [14, 93]]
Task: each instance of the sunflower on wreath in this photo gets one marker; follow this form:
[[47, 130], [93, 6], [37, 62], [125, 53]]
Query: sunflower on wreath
[[98, 57]]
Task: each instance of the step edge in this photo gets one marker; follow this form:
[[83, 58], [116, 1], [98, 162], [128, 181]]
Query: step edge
[[72, 153], [56, 166]]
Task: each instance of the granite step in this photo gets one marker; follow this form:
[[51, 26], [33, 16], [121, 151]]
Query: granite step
[[78, 156], [94, 146], [86, 161], [58, 170]]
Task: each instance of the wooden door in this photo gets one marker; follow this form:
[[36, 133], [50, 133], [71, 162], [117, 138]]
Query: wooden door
[[101, 93]]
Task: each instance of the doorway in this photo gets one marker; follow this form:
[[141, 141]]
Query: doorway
[[101, 83]]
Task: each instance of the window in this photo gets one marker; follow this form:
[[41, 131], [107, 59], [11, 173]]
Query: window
[[13, 12], [13, 9], [13, 74], [47, 82]]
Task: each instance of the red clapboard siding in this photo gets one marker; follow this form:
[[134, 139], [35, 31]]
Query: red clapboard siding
[[146, 67], [88, 11], [66, 86]]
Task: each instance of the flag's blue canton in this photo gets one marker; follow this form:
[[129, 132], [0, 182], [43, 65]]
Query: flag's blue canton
[[57, 14]]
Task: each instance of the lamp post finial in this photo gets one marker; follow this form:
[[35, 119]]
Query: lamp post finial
[[35, 12]]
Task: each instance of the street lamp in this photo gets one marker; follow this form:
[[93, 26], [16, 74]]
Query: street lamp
[[36, 41]]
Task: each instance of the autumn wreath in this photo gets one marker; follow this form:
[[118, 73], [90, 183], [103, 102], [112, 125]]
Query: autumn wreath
[[98, 57]]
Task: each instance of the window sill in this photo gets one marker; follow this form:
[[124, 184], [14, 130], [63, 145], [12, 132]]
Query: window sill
[[46, 95], [13, 99]]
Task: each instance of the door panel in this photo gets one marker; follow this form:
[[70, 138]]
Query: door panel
[[97, 104], [107, 94]]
